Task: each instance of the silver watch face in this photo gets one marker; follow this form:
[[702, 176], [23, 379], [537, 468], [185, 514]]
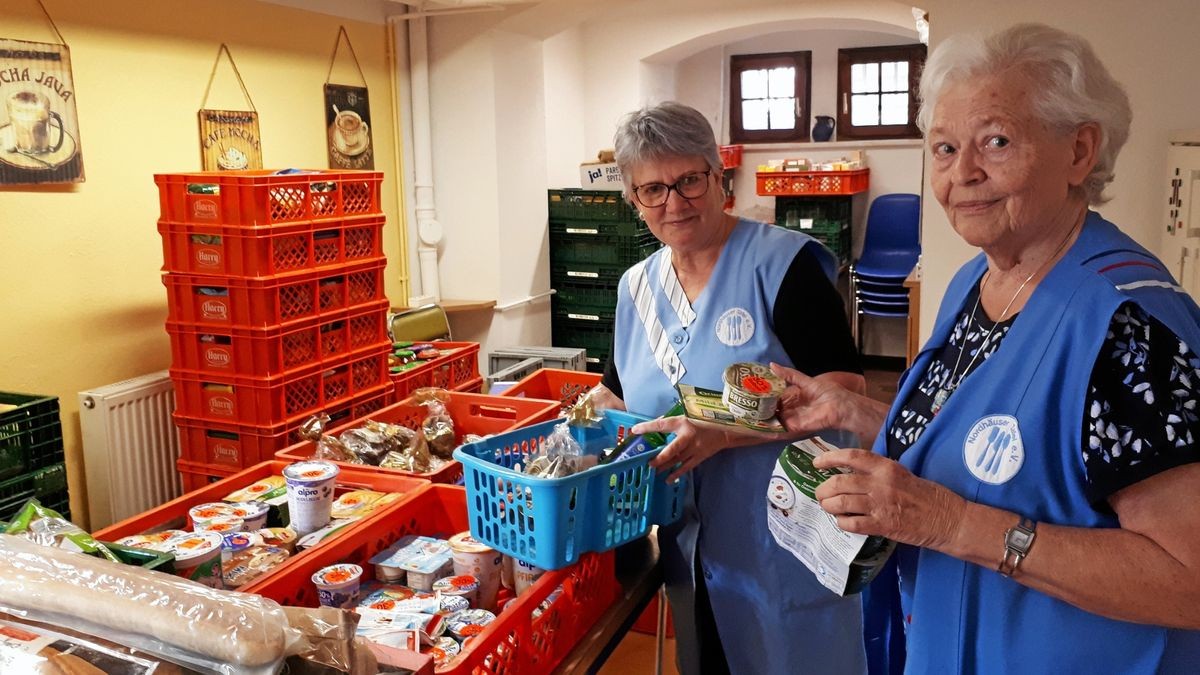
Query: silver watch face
[[1019, 539]]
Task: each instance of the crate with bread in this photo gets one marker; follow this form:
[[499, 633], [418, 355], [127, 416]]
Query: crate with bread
[[417, 436]]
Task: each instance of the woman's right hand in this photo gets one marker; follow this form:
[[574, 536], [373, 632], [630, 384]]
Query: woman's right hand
[[811, 404]]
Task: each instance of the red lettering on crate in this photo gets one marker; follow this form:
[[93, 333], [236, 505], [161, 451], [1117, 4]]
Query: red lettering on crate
[[214, 309], [208, 257], [217, 357], [204, 208]]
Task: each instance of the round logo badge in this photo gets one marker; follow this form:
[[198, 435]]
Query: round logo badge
[[735, 327], [993, 451]]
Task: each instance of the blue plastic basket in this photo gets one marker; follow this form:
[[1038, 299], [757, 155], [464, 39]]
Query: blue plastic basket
[[550, 522]]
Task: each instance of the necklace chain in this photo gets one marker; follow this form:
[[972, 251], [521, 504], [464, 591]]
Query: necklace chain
[[943, 393]]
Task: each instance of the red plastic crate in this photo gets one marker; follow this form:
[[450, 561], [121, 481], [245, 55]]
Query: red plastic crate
[[457, 366], [268, 401], [472, 414], [174, 514], [270, 301], [264, 352], [265, 198], [515, 642], [731, 156], [555, 384], [225, 447], [230, 250], [785, 183]]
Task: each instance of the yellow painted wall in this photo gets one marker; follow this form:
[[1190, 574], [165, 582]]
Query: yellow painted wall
[[83, 304]]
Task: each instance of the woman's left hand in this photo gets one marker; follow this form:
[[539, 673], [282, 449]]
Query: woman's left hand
[[882, 497], [692, 444]]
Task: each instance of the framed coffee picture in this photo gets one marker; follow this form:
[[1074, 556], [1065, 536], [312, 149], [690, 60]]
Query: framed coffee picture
[[39, 126], [348, 127], [229, 139]]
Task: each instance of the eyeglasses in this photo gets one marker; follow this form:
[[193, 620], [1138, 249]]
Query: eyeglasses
[[689, 186]]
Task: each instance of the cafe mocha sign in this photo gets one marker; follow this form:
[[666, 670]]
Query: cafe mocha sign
[[229, 140], [39, 127]]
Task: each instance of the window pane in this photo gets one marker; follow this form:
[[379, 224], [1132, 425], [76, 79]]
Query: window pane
[[782, 83], [754, 115], [864, 77], [895, 109], [783, 113], [754, 84], [894, 76], [864, 110]]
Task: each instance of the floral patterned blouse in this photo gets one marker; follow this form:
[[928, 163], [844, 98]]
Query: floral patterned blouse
[[1141, 415]]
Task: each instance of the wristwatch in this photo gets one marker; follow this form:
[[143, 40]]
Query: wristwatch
[[1018, 539]]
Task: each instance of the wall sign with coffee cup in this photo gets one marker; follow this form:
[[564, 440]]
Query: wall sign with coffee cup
[[229, 139], [348, 117], [39, 127]]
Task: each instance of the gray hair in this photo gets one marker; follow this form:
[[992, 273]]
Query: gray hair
[[669, 129], [1073, 86]]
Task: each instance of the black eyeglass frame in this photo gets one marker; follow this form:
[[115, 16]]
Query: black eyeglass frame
[[673, 186]]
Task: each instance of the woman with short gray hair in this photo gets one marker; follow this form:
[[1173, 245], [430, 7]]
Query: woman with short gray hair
[[725, 290], [1039, 465]]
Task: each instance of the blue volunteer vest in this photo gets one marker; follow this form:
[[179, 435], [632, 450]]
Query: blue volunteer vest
[[1010, 438], [772, 614]]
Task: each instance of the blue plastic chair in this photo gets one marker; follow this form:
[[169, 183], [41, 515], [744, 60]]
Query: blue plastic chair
[[890, 251]]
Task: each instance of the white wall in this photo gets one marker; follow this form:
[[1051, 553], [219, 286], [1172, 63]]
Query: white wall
[[1150, 47]]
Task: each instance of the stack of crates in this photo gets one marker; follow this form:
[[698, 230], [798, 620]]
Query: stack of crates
[[276, 307], [31, 454], [594, 237], [826, 219]]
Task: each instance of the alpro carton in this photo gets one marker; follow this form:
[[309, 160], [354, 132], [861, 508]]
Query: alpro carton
[[843, 562]]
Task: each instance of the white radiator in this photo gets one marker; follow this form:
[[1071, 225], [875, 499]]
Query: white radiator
[[130, 447]]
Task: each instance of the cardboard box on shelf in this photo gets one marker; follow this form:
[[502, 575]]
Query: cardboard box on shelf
[[601, 173]]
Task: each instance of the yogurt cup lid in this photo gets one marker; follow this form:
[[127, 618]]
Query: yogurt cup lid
[[156, 541], [452, 604], [238, 541], [277, 536], [463, 542], [310, 471], [337, 575], [222, 524], [459, 583], [469, 621], [250, 510], [256, 489], [209, 511], [192, 545]]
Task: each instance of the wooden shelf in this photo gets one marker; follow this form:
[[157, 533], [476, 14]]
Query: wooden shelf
[[457, 306]]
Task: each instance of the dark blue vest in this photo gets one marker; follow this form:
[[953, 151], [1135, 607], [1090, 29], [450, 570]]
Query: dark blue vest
[[1010, 437]]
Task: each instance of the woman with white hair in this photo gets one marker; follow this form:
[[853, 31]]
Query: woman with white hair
[[1039, 463]]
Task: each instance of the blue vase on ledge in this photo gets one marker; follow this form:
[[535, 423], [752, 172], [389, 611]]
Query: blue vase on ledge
[[823, 129]]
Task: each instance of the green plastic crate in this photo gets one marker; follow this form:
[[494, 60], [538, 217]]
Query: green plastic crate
[[573, 311], [30, 434], [572, 204], [586, 292], [594, 336], [608, 249]]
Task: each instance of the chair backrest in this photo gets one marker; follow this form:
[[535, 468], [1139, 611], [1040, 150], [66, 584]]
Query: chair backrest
[[420, 324], [894, 223]]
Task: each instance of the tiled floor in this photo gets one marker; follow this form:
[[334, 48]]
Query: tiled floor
[[635, 654]]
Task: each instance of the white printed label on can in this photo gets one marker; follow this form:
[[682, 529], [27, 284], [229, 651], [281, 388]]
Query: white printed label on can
[[992, 450], [735, 327]]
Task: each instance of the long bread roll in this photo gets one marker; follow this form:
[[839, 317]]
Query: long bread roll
[[227, 627]]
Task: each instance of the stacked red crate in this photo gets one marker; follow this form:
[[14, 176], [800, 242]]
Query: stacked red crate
[[276, 308]]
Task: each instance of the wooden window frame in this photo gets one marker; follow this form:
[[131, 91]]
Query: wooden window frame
[[914, 55], [802, 62]]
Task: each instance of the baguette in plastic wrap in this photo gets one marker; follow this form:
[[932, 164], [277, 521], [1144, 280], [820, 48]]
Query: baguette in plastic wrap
[[210, 630]]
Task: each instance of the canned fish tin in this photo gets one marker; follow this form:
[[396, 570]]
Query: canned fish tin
[[751, 391]]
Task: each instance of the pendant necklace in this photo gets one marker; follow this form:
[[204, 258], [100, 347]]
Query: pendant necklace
[[943, 393]]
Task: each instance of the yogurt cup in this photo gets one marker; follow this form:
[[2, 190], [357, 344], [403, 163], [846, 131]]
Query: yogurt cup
[[481, 561], [198, 557], [202, 513], [259, 490], [506, 573], [249, 564], [310, 487], [221, 524], [236, 542], [253, 515], [524, 575], [469, 623], [154, 541], [283, 537], [462, 585], [337, 585], [751, 391], [443, 650]]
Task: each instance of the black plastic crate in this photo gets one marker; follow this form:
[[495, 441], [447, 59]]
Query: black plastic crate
[[813, 215], [839, 243], [30, 433], [594, 336], [575, 204], [573, 311], [586, 292]]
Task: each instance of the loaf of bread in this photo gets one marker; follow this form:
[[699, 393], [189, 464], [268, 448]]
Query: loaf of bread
[[110, 599]]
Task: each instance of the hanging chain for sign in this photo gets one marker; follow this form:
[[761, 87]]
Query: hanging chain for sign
[[348, 117], [39, 133], [229, 139]]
